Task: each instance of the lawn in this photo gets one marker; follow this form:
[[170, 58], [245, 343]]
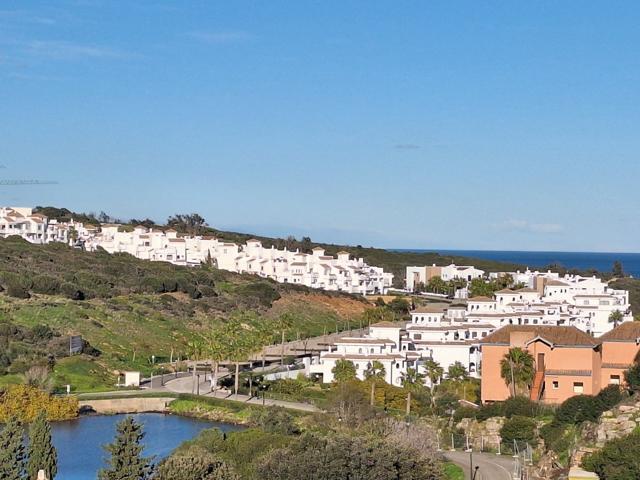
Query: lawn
[[453, 471], [84, 374]]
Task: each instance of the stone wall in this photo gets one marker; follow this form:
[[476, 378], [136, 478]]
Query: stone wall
[[618, 422], [482, 435], [126, 405]]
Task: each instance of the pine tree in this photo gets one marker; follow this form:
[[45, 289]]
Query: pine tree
[[127, 462], [12, 451], [42, 453]]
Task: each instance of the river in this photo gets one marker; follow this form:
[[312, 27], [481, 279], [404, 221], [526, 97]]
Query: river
[[79, 442]]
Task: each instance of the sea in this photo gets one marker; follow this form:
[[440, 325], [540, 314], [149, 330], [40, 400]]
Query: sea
[[600, 261]]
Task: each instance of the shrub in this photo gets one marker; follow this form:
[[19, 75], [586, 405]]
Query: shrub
[[46, 285], [17, 287], [632, 377], [579, 409], [609, 397], [25, 402], [555, 437], [72, 291], [274, 420], [194, 464], [617, 460], [520, 429], [521, 406], [490, 410], [464, 412]]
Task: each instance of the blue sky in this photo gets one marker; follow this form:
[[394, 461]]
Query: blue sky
[[485, 125]]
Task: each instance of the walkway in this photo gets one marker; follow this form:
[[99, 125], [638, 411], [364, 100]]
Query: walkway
[[185, 384], [492, 467]]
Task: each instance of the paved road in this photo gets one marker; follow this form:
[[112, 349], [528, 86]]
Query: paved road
[[492, 467], [185, 385]]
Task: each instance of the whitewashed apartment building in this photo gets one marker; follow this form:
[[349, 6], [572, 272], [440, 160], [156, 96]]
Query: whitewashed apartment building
[[315, 270]]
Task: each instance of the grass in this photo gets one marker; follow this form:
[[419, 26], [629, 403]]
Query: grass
[[453, 472], [83, 374], [12, 379]]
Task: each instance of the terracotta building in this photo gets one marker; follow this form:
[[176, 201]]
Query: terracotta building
[[568, 361]]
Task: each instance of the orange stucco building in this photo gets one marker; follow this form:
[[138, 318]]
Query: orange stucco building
[[568, 361]]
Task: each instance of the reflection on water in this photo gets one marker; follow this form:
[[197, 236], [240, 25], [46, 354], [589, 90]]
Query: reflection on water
[[79, 442]]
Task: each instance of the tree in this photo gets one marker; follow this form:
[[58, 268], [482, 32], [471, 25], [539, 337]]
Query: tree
[[457, 372], [378, 314], [127, 462], [617, 269], [519, 429], [412, 381], [284, 323], [632, 378], [216, 351], [616, 317], [42, 453], [480, 288], [12, 454], [344, 371], [192, 224], [436, 285], [434, 371], [374, 372], [243, 340], [196, 352], [517, 369], [504, 281], [617, 460]]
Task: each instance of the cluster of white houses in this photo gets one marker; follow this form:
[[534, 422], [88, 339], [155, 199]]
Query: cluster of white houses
[[315, 270], [450, 333]]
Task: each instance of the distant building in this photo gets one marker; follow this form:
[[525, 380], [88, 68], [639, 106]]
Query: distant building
[[417, 275]]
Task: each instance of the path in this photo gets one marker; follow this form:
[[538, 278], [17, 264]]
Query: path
[[492, 467], [185, 384]]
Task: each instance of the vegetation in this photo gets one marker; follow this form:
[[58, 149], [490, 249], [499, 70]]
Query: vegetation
[[344, 371], [42, 453], [521, 430], [26, 403], [126, 461], [618, 460], [128, 310], [12, 452], [197, 465], [517, 370]]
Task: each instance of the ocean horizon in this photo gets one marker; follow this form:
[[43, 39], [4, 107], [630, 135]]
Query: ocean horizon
[[601, 261]]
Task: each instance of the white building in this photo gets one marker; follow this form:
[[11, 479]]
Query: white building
[[315, 270], [416, 275]]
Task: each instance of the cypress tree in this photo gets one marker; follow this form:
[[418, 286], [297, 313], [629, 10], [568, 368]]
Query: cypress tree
[[12, 451], [127, 462], [42, 453]]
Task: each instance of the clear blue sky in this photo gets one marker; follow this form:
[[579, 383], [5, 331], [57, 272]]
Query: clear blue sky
[[487, 125]]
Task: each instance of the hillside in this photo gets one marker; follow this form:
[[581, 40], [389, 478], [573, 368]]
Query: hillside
[[130, 309], [392, 261]]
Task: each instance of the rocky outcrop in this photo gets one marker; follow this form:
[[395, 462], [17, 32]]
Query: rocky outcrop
[[482, 435], [615, 423]]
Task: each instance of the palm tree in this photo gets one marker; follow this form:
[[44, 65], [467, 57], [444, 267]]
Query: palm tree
[[412, 380], [616, 317], [436, 284], [195, 350], [217, 351], [284, 323], [457, 372], [375, 371], [434, 374], [517, 369], [343, 371], [243, 340]]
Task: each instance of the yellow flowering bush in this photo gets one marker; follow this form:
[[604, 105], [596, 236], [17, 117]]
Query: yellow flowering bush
[[25, 402]]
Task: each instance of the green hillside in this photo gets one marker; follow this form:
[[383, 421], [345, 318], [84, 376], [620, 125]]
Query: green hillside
[[130, 309]]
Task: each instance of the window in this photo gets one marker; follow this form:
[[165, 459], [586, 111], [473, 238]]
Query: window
[[614, 380], [578, 387], [474, 334], [555, 384], [417, 336]]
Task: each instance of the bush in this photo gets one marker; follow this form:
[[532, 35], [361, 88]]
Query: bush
[[194, 464], [46, 285], [555, 437], [26, 402], [71, 291], [490, 410], [609, 397], [522, 406], [17, 287], [617, 460], [520, 429], [578, 409], [274, 420], [632, 377]]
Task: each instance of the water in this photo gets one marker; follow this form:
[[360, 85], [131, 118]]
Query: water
[[600, 261], [79, 442]]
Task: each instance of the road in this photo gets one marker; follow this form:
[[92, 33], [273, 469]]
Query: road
[[492, 467]]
